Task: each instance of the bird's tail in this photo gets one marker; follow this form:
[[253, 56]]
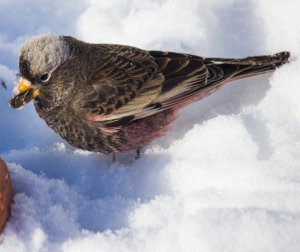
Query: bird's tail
[[234, 69]]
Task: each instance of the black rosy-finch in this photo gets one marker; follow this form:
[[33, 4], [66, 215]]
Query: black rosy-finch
[[114, 98]]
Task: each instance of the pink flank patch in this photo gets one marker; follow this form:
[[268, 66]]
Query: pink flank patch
[[98, 118]]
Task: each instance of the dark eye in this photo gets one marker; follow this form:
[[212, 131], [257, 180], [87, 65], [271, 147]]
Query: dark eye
[[45, 77]]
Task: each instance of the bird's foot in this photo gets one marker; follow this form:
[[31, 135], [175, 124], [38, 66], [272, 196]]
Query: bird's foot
[[114, 157]]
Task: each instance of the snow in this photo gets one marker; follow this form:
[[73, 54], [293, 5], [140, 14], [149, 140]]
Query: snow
[[226, 178]]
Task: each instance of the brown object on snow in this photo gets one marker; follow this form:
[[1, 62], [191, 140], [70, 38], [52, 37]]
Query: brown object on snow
[[6, 194]]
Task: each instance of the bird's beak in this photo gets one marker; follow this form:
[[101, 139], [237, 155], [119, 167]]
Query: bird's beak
[[25, 93]]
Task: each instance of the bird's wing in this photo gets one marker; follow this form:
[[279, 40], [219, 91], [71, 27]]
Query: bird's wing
[[154, 81], [137, 84], [126, 82], [184, 74]]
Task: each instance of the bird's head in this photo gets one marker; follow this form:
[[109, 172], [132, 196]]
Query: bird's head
[[40, 57]]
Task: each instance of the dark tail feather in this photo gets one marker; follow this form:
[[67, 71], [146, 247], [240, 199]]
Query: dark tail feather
[[234, 69]]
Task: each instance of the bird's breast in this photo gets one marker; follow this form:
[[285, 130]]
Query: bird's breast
[[89, 136]]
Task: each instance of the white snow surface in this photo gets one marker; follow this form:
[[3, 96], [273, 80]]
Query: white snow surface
[[227, 176]]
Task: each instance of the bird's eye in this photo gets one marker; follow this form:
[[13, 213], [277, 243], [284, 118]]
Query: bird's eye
[[45, 77]]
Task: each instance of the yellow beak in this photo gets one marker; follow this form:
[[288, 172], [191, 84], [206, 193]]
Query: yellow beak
[[25, 93], [25, 85]]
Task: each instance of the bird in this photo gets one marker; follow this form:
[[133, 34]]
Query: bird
[[112, 98]]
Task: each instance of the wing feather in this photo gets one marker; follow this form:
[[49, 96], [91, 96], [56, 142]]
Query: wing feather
[[137, 84]]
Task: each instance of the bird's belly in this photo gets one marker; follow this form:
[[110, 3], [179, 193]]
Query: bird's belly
[[142, 132], [87, 136]]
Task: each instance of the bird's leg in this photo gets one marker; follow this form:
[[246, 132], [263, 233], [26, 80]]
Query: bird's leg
[[139, 152], [114, 157]]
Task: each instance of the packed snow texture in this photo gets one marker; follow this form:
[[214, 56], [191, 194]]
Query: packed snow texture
[[227, 176]]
